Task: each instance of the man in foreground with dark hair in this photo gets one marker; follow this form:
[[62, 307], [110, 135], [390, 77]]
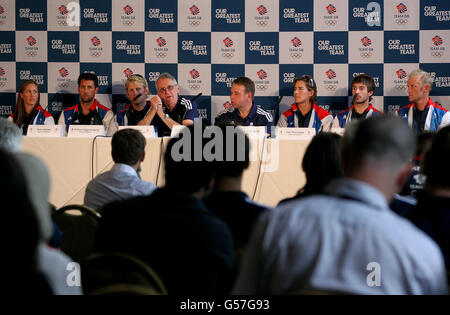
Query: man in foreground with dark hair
[[122, 181], [89, 111], [172, 230], [348, 241], [363, 88], [432, 213]]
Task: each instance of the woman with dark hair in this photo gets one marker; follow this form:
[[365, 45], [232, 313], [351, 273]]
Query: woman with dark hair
[[28, 109], [321, 164], [20, 254], [304, 113]]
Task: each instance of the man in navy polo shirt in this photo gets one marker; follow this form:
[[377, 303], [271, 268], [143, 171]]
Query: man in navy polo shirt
[[168, 108], [244, 111]]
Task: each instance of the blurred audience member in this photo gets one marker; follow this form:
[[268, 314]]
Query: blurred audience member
[[122, 181], [10, 136]]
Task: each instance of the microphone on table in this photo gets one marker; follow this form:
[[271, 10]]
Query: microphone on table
[[137, 96], [196, 96]]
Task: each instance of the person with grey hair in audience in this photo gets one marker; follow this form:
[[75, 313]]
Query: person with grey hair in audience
[[10, 136], [348, 240], [122, 181], [422, 113]]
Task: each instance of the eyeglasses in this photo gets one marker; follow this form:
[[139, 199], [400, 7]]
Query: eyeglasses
[[168, 88]]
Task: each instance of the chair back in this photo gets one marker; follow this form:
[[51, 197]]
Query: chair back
[[78, 230], [112, 272]]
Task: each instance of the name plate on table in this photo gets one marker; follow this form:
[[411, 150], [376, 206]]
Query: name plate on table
[[45, 131], [285, 133], [176, 130], [85, 131], [147, 131], [254, 132], [339, 131]]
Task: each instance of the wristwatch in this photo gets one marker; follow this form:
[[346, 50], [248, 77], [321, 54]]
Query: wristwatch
[[165, 117]]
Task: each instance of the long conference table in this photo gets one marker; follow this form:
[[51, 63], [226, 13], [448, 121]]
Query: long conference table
[[274, 172]]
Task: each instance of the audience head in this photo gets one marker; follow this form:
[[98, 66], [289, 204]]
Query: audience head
[[379, 150], [22, 267], [187, 169], [419, 85], [305, 90], [28, 99], [128, 147], [38, 184], [424, 141], [322, 162], [435, 165], [10, 136]]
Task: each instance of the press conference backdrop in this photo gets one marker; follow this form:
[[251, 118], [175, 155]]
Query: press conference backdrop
[[206, 44]]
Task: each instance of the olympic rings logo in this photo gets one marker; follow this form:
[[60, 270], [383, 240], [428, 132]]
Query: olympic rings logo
[[262, 23], [366, 54], [296, 55], [64, 85], [128, 22], [401, 21], [161, 55], [31, 53], [194, 87], [437, 54], [331, 87], [331, 22], [261, 87], [2, 85], [228, 55], [62, 23], [401, 87], [194, 23], [95, 54]]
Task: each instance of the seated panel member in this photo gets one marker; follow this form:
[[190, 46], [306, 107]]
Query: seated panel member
[[363, 87], [137, 91], [88, 111], [304, 113], [28, 109], [244, 112], [422, 114]]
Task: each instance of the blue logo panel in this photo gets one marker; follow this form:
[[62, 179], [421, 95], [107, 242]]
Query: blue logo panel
[[63, 46], [228, 16], [374, 70], [365, 15], [31, 15], [287, 75], [36, 71], [222, 77], [401, 46], [7, 104], [441, 77], [119, 102], [103, 71], [330, 47], [128, 47], [261, 48], [296, 16], [393, 103], [154, 70], [204, 108], [434, 15], [333, 104], [161, 16], [194, 47], [7, 46], [59, 102], [95, 15]]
